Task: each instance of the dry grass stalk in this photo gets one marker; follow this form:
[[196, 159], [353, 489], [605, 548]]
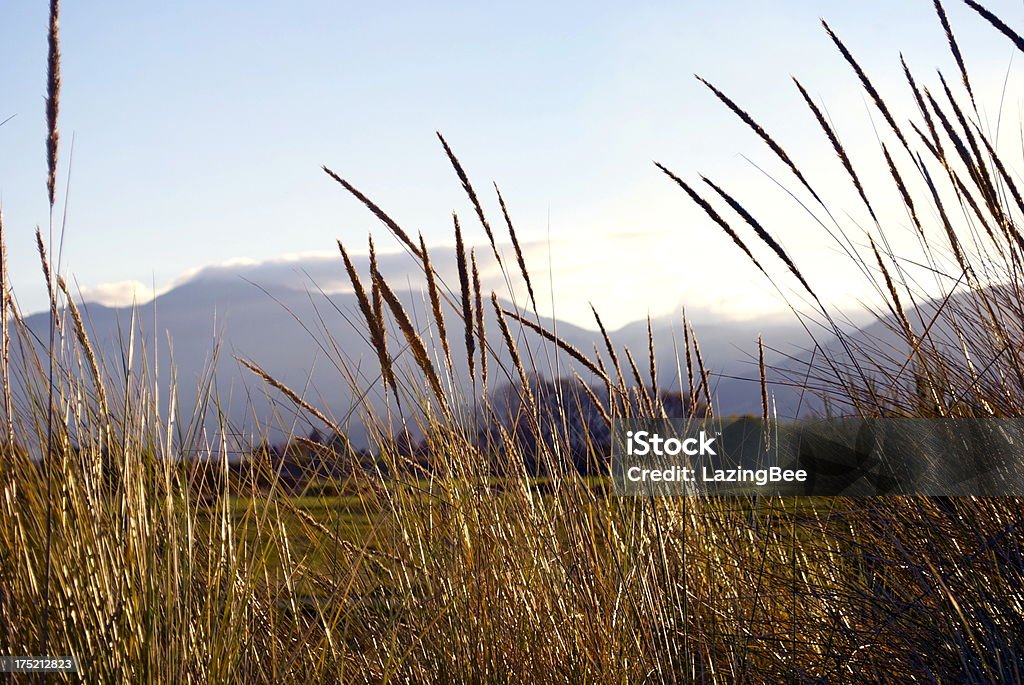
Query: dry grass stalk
[[763, 234], [692, 387], [764, 379], [965, 195], [592, 396], [87, 349], [965, 156], [47, 275], [838, 147], [290, 394], [894, 296], [928, 143], [896, 307], [52, 146], [5, 336], [599, 360], [652, 359], [935, 146], [611, 350], [374, 323], [481, 333], [375, 297], [756, 128], [419, 350], [908, 201], [435, 301], [358, 552], [1010, 227], [765, 408], [515, 244], [998, 23], [391, 224], [510, 343], [867, 85], [715, 216], [954, 241], [642, 392], [978, 169], [705, 376], [998, 163], [975, 169], [52, 99], [474, 200], [562, 344], [466, 296], [955, 49]]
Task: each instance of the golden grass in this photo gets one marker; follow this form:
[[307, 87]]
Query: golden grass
[[170, 565]]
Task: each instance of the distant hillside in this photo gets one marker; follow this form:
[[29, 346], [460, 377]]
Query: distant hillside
[[300, 336]]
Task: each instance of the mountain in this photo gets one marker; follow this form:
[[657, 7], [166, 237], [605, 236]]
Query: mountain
[[314, 343]]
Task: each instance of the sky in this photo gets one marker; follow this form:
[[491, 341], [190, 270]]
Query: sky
[[199, 130]]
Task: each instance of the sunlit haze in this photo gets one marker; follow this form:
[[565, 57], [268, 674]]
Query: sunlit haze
[[199, 130]]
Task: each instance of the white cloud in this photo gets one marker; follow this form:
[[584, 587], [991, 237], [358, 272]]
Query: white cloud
[[118, 293], [625, 275]]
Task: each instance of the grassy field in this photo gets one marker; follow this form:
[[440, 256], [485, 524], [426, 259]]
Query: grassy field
[[111, 552]]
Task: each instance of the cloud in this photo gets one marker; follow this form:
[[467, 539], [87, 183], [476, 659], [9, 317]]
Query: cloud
[[625, 275], [118, 293]]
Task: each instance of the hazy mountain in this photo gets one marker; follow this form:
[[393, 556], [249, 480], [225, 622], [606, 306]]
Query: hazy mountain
[[876, 354], [314, 343]]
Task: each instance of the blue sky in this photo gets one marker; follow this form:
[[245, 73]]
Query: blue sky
[[199, 128]]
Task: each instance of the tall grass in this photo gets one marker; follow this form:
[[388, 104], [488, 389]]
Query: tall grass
[[128, 541]]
